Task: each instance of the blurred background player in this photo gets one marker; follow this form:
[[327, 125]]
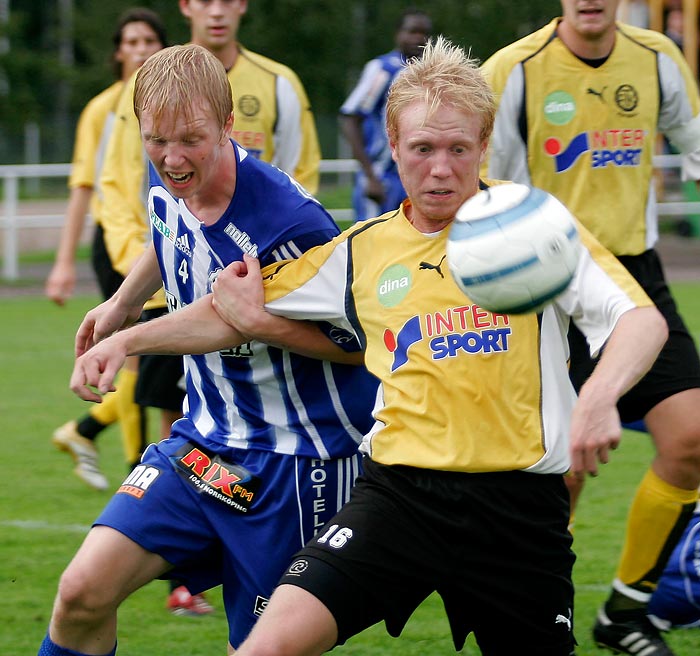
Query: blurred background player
[[273, 122], [378, 188], [139, 33], [581, 103]]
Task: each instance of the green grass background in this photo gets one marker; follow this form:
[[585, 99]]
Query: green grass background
[[45, 511]]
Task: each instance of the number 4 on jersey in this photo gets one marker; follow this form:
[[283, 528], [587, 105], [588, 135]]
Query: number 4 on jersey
[[183, 272]]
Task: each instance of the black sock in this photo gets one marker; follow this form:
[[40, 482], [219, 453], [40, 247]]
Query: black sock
[[619, 603], [89, 427]]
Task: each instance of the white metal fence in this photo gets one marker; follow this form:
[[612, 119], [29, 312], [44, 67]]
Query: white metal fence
[[11, 221]]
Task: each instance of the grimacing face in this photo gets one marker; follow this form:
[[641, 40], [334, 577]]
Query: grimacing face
[[186, 151]]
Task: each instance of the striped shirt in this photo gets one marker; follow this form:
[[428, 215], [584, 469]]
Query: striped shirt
[[256, 396]]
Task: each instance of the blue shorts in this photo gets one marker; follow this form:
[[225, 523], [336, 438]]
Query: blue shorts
[[677, 596], [233, 517]]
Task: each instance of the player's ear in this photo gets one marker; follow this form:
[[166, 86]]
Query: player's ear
[[484, 150], [394, 149], [228, 126]]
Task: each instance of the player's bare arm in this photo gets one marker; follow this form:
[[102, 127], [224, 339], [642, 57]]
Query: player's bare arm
[[61, 281], [239, 299], [631, 350], [124, 308], [194, 329]]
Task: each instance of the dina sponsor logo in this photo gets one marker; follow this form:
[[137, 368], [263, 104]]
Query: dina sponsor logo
[[393, 285]]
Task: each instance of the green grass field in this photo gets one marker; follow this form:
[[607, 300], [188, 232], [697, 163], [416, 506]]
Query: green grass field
[[46, 511]]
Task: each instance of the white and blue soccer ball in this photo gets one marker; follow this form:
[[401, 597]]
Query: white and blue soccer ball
[[512, 248]]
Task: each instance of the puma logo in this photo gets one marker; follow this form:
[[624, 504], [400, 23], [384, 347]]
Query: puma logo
[[593, 92], [434, 267], [560, 619]]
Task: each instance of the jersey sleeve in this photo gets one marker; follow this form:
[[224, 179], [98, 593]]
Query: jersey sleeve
[[297, 150], [87, 148], [123, 188], [312, 287], [601, 291], [87, 136], [368, 91], [295, 246], [679, 116], [507, 153]]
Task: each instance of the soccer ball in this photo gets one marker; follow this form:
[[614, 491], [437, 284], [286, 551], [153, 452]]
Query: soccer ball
[[512, 248]]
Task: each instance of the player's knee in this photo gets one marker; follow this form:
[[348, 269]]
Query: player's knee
[[81, 600], [686, 446], [693, 448]]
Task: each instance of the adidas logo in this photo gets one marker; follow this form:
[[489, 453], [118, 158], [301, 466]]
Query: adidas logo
[[182, 243]]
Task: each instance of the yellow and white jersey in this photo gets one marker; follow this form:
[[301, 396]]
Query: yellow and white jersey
[[272, 117], [461, 389], [587, 134], [91, 137]]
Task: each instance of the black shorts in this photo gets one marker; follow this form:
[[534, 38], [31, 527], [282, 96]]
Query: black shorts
[[108, 279], [495, 546], [676, 369], [159, 383]]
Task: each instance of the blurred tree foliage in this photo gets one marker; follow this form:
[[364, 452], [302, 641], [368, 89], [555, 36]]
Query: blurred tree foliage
[[325, 41]]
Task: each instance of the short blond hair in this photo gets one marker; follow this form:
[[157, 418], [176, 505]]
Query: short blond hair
[[173, 79], [444, 75]]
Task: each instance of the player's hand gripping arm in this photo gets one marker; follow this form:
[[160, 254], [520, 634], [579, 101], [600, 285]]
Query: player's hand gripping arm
[[124, 307], [240, 299], [629, 353], [196, 328]]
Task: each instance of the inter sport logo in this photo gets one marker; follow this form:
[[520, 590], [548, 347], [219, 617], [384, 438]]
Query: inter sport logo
[[615, 147], [565, 159], [465, 330], [399, 344]]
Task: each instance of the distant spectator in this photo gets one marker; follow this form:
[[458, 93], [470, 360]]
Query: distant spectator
[[139, 34], [377, 185]]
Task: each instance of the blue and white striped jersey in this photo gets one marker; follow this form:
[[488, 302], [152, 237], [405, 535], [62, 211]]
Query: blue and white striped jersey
[[368, 99], [256, 396]]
